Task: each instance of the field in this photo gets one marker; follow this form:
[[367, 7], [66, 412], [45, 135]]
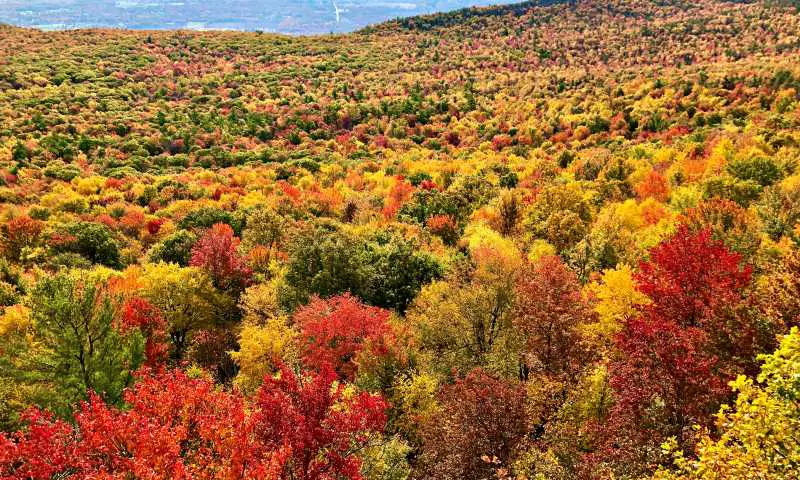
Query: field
[[538, 241]]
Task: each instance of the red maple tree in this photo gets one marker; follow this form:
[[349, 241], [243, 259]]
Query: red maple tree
[[217, 253], [177, 427], [334, 331]]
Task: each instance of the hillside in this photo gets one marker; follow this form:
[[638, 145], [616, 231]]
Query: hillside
[[529, 241]]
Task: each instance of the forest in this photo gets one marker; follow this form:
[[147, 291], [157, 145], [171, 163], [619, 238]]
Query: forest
[[545, 241]]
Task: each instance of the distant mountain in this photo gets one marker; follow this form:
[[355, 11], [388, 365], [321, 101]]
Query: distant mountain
[[283, 16]]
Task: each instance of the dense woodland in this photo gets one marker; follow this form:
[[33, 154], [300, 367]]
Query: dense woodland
[[541, 241]]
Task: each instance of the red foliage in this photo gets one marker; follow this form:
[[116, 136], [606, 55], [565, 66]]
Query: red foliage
[[216, 252], [105, 219], [428, 185], [18, 233], [336, 330], [177, 427], [548, 312], [41, 452], [154, 226], [132, 222], [444, 227], [654, 186], [138, 313], [690, 276], [398, 195], [114, 183], [501, 141], [481, 417], [665, 381], [306, 417], [674, 360]]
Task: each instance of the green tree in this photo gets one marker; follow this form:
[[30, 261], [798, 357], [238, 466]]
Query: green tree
[[71, 344]]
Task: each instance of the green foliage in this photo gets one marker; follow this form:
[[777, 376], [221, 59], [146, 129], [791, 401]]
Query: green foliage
[[208, 216], [763, 171], [384, 270], [93, 241], [176, 248], [71, 345]]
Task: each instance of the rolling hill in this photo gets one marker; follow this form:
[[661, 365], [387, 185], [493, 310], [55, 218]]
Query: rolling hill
[[547, 240]]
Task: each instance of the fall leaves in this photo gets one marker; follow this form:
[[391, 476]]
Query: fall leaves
[[532, 242], [185, 428]]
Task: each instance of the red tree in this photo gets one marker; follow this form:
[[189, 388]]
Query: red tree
[[675, 358], [177, 427], [320, 427], [548, 311], [654, 185], [480, 422], [18, 233], [138, 313], [336, 330], [690, 277], [216, 252]]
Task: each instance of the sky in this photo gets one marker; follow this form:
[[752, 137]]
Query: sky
[[282, 16]]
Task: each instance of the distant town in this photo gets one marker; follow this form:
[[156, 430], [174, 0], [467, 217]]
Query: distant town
[[280, 16]]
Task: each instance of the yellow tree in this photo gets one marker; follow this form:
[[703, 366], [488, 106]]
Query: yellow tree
[[615, 299], [464, 321], [188, 300], [758, 437], [265, 339]]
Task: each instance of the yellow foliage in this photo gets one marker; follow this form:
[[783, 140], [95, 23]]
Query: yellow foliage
[[540, 248], [417, 396], [89, 185], [15, 318], [261, 347], [615, 299], [758, 433]]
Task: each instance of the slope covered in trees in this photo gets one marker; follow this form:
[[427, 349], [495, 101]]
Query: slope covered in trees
[[540, 241]]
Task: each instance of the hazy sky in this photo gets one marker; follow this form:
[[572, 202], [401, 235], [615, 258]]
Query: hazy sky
[[287, 16]]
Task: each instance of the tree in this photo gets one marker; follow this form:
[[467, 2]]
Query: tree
[[176, 248], [394, 269], [335, 331], [480, 423], [615, 300], [322, 425], [654, 185], [382, 268], [216, 252], [265, 231], [664, 382], [93, 241], [780, 293], [465, 321], [323, 260], [758, 433], [674, 358], [187, 301], [549, 313], [179, 427], [139, 314], [266, 339], [690, 277], [728, 223], [74, 343], [19, 233], [560, 214], [262, 348]]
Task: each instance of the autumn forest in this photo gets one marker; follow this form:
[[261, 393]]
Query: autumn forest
[[549, 240]]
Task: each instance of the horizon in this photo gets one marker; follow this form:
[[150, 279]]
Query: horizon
[[304, 17]]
